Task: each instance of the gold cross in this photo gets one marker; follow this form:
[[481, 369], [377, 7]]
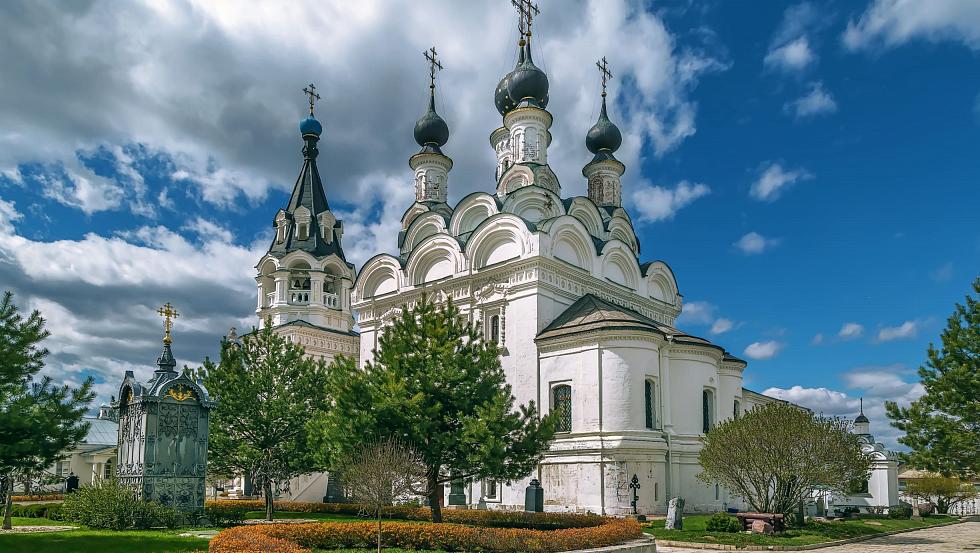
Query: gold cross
[[526, 10], [169, 314], [604, 71], [310, 91], [432, 57]]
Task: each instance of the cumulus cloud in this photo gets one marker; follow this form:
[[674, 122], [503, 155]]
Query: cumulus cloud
[[908, 329], [890, 23], [774, 179], [754, 243], [8, 215], [793, 55], [817, 339], [874, 384], [722, 325], [696, 312], [656, 203], [762, 350], [850, 331], [815, 102]]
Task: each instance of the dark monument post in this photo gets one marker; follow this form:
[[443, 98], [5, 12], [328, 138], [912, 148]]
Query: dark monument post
[[71, 483], [635, 486], [163, 432], [534, 497]]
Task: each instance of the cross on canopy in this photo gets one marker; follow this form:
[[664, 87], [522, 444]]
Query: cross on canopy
[[604, 71], [169, 313], [310, 91], [433, 58], [526, 10]]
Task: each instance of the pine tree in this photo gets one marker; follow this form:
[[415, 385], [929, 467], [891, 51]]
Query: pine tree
[[38, 421], [942, 428], [267, 391], [438, 385]]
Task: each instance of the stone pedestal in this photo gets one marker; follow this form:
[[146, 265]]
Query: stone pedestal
[[675, 514], [534, 497]]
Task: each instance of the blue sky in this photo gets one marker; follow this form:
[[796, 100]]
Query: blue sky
[[808, 170]]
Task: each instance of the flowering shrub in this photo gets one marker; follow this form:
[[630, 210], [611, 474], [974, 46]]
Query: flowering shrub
[[496, 519], [302, 538]]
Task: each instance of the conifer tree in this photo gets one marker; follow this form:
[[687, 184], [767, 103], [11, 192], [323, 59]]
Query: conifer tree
[[38, 420], [267, 391], [436, 384], [942, 428]]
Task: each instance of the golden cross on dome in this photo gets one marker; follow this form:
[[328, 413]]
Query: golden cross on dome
[[169, 313], [526, 10], [605, 72], [433, 58], [310, 91]]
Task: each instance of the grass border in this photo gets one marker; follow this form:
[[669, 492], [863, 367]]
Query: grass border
[[807, 547]]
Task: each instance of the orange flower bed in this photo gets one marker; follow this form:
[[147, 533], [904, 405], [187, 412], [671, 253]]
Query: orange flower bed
[[38, 497], [303, 538]]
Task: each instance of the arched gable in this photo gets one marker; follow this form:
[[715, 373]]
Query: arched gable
[[515, 177], [588, 214], [412, 212], [661, 284], [534, 204], [571, 242], [434, 258], [620, 228], [471, 211], [424, 226], [380, 275], [268, 264], [501, 237], [619, 264]]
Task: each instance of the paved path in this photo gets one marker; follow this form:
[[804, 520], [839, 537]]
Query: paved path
[[947, 539]]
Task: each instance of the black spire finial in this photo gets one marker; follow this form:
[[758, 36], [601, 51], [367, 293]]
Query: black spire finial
[[604, 136], [431, 130], [310, 91], [606, 75], [434, 65], [526, 10]]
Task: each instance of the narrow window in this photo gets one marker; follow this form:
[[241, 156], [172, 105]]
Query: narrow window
[[491, 489], [302, 231], [738, 409], [562, 405], [707, 410], [649, 391], [717, 492], [656, 491], [495, 329]]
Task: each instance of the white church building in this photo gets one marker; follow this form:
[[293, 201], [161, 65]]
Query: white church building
[[585, 321]]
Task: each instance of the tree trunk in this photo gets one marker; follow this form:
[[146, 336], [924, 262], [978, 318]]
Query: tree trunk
[[7, 486], [435, 497], [267, 491], [379, 529]]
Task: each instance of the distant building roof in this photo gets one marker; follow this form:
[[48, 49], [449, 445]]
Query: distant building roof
[[101, 432]]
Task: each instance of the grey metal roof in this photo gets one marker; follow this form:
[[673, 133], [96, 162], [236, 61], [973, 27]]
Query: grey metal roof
[[101, 431]]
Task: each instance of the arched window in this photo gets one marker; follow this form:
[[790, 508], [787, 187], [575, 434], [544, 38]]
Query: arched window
[[738, 409], [561, 404], [649, 403], [707, 410], [495, 329]]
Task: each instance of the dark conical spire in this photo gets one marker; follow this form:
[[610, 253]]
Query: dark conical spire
[[431, 130], [861, 418], [604, 138]]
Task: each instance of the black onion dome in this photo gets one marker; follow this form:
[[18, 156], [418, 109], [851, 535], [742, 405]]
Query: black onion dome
[[431, 129], [525, 82], [604, 135], [861, 418]]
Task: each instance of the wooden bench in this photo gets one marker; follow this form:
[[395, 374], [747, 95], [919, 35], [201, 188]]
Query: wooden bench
[[775, 519]]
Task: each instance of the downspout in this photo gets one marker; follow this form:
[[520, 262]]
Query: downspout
[[602, 446], [668, 423]]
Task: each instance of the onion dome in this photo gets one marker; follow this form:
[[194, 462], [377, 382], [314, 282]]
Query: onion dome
[[604, 136], [861, 418], [431, 130], [526, 83], [310, 126]]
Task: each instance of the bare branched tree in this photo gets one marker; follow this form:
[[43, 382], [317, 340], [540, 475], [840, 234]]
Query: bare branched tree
[[379, 473]]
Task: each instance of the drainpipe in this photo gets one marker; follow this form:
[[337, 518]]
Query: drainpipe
[[668, 422], [602, 446]]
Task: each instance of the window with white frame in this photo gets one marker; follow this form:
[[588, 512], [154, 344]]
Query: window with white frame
[[490, 489], [707, 410], [561, 404], [650, 403]]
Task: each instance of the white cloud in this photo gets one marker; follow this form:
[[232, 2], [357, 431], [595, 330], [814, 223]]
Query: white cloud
[[850, 331], [815, 102], [721, 326], [209, 230], [773, 180], [943, 273], [696, 312], [908, 329], [792, 56], [8, 214], [762, 350], [655, 203], [817, 339], [889, 23], [754, 243], [820, 400]]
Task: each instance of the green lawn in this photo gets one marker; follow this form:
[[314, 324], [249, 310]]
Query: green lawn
[[101, 541], [816, 532]]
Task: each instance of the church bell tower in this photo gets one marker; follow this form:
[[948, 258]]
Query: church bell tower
[[304, 280]]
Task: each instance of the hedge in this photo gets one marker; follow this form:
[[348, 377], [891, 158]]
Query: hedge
[[38, 497], [234, 510], [37, 510], [304, 538]]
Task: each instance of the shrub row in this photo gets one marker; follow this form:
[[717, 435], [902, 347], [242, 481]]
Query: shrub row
[[303, 538], [111, 505], [37, 510], [38, 497], [723, 522], [230, 509]]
